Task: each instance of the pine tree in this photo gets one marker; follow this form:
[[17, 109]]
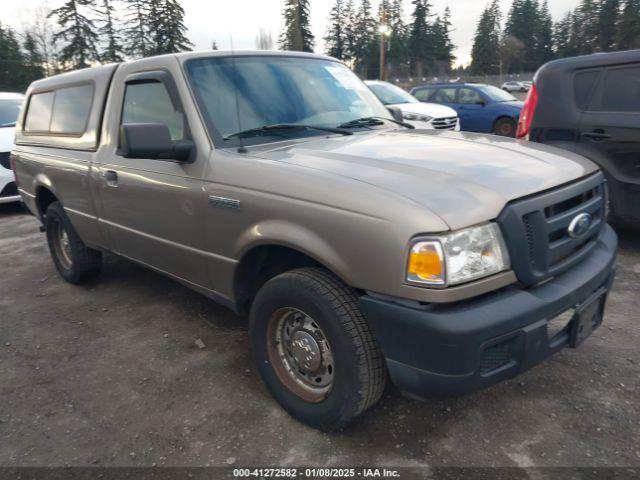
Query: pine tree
[[608, 20], [587, 15], [12, 74], [137, 44], [524, 23], [562, 42], [350, 35], [335, 39], [628, 36], [365, 51], [297, 31], [544, 34], [421, 38], [166, 25], [33, 59], [443, 46], [485, 58], [112, 51], [398, 51], [79, 33]]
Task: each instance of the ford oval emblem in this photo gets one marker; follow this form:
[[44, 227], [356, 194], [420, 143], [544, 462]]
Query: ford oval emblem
[[580, 225]]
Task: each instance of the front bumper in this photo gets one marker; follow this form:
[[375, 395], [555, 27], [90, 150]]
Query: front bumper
[[436, 350]]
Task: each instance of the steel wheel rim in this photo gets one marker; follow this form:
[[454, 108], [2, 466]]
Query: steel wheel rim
[[62, 245], [300, 354]]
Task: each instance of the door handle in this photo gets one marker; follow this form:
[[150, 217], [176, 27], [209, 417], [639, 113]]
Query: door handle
[[110, 177], [596, 135]]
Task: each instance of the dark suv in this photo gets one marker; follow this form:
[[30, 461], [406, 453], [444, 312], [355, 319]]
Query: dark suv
[[591, 105]]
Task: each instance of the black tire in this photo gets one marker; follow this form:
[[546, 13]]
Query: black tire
[[505, 127], [360, 372], [77, 263]]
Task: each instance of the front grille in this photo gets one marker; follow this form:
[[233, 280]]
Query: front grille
[[445, 123], [536, 229], [4, 160], [10, 190]]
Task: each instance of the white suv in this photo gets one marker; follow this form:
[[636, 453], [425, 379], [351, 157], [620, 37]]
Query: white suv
[[10, 104], [429, 116]]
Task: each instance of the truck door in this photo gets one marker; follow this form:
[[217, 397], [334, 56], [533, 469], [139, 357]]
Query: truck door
[[152, 209], [609, 133]]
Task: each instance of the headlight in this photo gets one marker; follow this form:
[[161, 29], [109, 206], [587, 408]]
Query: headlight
[[416, 117], [458, 257]]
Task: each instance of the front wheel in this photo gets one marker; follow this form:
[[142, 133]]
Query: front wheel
[[314, 349], [505, 127]]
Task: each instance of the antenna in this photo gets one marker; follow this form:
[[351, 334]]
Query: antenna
[[241, 147]]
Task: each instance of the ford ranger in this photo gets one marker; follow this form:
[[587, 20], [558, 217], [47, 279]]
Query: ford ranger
[[364, 251]]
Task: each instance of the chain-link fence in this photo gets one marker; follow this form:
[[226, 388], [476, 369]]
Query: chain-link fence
[[497, 80]]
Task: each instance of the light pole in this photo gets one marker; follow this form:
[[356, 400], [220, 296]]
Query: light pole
[[384, 31]]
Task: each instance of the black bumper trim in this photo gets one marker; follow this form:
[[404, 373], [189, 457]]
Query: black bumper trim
[[434, 349]]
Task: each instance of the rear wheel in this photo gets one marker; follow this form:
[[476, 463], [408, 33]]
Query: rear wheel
[[314, 349], [505, 127], [75, 262]]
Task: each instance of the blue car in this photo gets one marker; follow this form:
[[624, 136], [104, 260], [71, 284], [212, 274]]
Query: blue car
[[481, 108]]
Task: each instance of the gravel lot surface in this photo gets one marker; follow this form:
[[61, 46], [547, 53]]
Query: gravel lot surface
[[110, 374]]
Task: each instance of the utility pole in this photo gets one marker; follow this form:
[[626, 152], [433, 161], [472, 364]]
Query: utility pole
[[384, 32]]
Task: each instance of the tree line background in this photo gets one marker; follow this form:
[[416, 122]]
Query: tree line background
[[80, 33]]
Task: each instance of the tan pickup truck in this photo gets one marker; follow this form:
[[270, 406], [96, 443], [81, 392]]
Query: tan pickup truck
[[362, 249]]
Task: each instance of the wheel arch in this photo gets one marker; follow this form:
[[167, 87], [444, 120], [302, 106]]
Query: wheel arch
[[264, 260]]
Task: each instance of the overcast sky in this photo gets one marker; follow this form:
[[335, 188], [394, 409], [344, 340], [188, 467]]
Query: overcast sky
[[221, 20]]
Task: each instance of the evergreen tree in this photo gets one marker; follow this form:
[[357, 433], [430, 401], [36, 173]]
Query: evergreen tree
[[78, 32], [335, 39], [421, 38], [166, 25], [562, 41], [33, 59], [365, 51], [112, 51], [544, 35], [137, 44], [608, 20], [297, 31], [11, 61], [587, 15], [628, 36], [485, 58], [523, 23], [443, 46], [398, 51], [350, 35]]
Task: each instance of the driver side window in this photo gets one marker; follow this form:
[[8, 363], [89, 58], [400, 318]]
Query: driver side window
[[149, 102], [469, 96]]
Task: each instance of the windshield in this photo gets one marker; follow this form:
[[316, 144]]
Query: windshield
[[271, 90], [390, 94], [9, 110], [496, 94]]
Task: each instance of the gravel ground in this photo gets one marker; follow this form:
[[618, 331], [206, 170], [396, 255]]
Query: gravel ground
[[110, 375]]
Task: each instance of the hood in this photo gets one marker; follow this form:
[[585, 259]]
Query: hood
[[463, 178], [432, 109], [7, 136]]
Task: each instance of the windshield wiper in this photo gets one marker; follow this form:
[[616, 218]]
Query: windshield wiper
[[284, 126], [12, 124], [372, 121]]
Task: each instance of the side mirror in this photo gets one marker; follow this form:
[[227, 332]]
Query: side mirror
[[396, 113], [152, 140]]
